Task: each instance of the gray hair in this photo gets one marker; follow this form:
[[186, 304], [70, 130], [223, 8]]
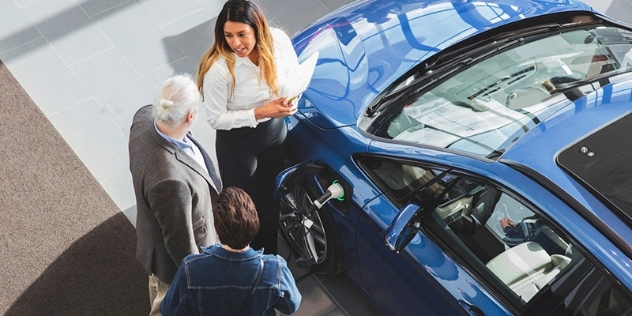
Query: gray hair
[[178, 97]]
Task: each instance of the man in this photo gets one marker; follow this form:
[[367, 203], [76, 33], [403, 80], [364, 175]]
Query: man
[[175, 183], [232, 278]]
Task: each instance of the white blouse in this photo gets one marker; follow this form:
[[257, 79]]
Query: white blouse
[[239, 110]]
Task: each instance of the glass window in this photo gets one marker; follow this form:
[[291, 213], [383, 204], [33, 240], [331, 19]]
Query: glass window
[[515, 249], [485, 107], [510, 245], [404, 180], [607, 299]]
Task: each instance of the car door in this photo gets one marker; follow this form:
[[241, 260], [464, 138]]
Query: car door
[[414, 279], [477, 247]]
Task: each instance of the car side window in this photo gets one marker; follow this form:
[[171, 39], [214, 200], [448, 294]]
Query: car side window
[[504, 240], [404, 181], [509, 244], [607, 298], [517, 251]]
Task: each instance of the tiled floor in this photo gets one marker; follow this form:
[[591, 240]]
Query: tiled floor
[[90, 64]]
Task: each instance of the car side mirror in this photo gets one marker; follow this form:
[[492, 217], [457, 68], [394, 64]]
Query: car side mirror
[[403, 228]]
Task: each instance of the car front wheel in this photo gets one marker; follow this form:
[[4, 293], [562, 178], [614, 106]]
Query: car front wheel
[[310, 232]]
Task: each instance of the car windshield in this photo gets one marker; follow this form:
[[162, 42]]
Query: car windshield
[[485, 107]]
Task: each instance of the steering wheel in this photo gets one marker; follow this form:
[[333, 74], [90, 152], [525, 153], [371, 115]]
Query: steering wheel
[[456, 208]]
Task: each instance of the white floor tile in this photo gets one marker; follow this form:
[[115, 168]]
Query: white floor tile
[[96, 139], [137, 36], [45, 76], [68, 28]]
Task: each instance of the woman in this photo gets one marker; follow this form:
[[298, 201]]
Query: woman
[[239, 78]]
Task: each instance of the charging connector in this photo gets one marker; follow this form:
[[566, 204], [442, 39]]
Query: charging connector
[[334, 191]]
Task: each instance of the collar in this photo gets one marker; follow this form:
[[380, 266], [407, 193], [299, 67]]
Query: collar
[[218, 251], [239, 61], [183, 144]]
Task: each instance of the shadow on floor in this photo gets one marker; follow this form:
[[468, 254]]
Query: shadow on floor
[[97, 275]]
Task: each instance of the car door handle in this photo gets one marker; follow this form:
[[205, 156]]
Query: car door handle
[[471, 309]]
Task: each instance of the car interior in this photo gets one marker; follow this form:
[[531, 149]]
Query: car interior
[[523, 255], [526, 254]]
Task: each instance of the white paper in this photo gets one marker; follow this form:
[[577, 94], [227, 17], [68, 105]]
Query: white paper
[[298, 80]]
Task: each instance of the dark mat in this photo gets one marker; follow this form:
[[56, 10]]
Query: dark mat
[[65, 247]]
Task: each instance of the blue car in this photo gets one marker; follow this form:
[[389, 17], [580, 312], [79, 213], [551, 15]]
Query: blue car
[[466, 157]]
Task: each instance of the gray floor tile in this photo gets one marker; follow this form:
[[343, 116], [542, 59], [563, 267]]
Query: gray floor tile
[[138, 37], [212, 6], [354, 301], [93, 7], [315, 301], [193, 35], [603, 5], [68, 28], [166, 11], [334, 4], [130, 213], [121, 190], [21, 3], [619, 9], [15, 28], [310, 11], [179, 67], [95, 138], [45, 76], [115, 84], [126, 128]]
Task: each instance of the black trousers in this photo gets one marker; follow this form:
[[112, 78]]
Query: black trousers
[[251, 158]]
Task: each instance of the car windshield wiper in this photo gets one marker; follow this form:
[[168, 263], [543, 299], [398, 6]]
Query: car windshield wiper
[[603, 79], [424, 81], [500, 41]]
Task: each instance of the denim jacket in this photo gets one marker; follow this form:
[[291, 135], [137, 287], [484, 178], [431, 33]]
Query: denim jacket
[[217, 282]]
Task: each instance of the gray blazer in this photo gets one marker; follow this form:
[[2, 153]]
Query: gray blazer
[[174, 199]]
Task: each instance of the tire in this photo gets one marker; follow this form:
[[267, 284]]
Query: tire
[[312, 237]]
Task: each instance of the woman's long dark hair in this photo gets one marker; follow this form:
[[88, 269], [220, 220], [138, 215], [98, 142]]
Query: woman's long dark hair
[[242, 11]]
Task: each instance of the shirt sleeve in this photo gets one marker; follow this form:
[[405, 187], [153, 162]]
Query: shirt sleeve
[[290, 298], [216, 89], [171, 202]]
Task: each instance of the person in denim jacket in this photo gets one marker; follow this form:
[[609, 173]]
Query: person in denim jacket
[[219, 280]]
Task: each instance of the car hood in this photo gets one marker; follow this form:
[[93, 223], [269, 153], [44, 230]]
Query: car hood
[[368, 44]]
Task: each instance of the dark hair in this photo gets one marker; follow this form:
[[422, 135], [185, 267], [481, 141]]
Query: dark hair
[[242, 11], [236, 220], [246, 12]]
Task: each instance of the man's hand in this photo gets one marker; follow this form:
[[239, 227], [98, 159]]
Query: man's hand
[[504, 222]]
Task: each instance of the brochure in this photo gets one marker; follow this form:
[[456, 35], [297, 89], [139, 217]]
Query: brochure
[[298, 80]]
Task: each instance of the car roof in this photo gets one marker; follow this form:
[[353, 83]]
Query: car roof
[[569, 153], [367, 45]]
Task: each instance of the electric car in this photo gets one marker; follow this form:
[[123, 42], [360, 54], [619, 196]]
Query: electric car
[[466, 157]]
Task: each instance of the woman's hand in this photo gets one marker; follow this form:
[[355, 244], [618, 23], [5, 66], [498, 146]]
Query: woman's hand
[[275, 108]]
